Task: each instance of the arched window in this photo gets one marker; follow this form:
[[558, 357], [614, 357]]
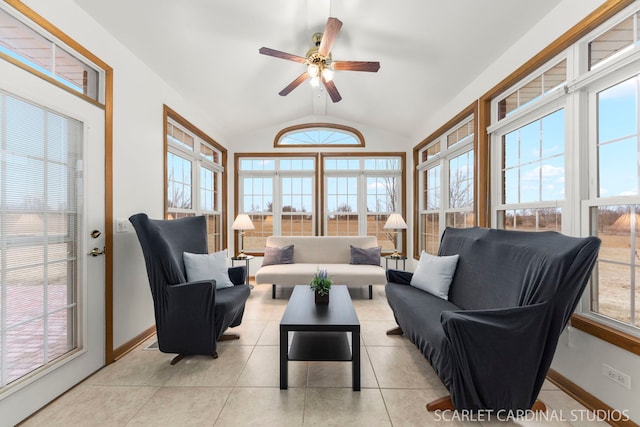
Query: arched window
[[319, 135]]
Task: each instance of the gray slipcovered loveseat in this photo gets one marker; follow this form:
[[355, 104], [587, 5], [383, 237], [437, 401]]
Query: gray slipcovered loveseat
[[492, 342]]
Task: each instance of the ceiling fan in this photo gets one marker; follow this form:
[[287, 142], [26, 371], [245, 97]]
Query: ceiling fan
[[320, 66]]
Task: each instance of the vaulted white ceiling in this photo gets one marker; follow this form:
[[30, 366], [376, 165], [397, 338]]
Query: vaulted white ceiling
[[208, 51]]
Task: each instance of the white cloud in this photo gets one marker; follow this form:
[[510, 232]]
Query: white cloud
[[546, 171]]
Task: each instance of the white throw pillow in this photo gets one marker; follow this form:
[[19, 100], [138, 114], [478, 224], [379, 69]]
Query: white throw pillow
[[208, 266], [435, 273]]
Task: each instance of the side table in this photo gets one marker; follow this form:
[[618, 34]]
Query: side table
[[246, 259], [396, 259]]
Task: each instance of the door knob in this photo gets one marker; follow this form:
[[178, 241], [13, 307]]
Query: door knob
[[97, 251]]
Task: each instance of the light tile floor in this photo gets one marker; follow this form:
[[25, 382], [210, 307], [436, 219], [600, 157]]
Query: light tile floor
[[241, 387]]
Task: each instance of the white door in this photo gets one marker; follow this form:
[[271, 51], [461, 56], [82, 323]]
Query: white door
[[52, 310]]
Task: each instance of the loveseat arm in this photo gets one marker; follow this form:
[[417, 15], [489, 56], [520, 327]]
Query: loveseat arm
[[237, 274], [498, 356], [400, 277], [188, 310]]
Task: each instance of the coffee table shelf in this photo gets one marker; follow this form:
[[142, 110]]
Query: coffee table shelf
[[320, 346]]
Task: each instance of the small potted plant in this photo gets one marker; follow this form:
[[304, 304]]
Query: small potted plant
[[321, 284]]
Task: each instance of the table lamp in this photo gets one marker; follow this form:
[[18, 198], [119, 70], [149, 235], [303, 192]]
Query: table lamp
[[395, 222], [242, 222]]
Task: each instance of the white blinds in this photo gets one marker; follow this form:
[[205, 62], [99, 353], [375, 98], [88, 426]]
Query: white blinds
[[40, 196]]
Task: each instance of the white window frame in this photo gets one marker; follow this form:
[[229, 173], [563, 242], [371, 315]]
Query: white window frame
[[546, 104], [442, 159], [277, 174], [600, 79], [362, 174], [198, 162]]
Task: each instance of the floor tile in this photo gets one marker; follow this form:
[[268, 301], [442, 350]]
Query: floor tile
[[263, 407], [94, 405], [205, 371], [270, 334], [569, 409], [344, 407], [339, 374], [150, 368], [374, 333], [403, 367], [182, 406], [249, 332], [263, 369], [408, 408]]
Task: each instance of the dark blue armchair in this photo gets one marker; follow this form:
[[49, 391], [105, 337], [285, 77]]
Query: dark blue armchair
[[190, 317]]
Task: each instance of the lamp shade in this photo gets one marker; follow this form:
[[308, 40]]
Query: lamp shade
[[395, 221], [243, 222]]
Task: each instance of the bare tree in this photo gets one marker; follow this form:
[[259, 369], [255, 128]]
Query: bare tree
[[344, 207]]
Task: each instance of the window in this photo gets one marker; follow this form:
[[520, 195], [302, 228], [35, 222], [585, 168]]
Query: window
[[40, 150], [50, 58], [360, 195], [446, 182], [542, 84], [533, 175], [281, 195], [319, 135], [614, 209], [621, 38], [529, 153], [194, 176]]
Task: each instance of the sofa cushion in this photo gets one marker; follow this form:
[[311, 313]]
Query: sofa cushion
[[369, 256], [322, 249], [208, 267], [418, 313], [434, 274], [351, 274], [273, 255], [340, 274]]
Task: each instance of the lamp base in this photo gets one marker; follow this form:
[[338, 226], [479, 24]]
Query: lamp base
[[241, 255], [395, 254]]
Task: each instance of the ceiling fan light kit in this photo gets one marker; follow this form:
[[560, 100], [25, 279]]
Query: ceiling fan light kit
[[320, 66]]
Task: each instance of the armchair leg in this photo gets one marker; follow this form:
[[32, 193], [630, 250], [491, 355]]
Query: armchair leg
[[177, 359], [229, 337], [215, 355], [273, 291], [442, 404], [539, 406], [395, 331], [370, 292]]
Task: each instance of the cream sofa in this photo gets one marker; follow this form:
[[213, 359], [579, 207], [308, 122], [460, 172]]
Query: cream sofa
[[311, 253]]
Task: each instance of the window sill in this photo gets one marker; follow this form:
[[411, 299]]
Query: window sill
[[606, 333]]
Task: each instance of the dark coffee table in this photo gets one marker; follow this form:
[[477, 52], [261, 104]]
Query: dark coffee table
[[320, 331]]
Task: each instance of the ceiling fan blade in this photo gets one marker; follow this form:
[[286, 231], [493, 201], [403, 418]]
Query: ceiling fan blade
[[282, 55], [332, 90], [357, 66], [294, 84], [329, 36]]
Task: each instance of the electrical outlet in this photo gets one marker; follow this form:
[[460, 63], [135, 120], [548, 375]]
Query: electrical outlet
[[616, 376], [122, 225]]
